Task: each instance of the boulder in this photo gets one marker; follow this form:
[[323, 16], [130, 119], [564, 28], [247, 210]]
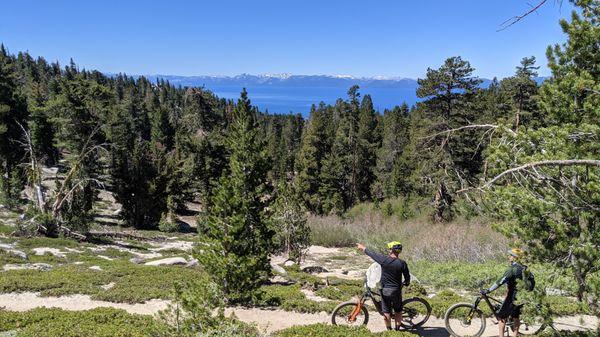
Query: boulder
[[170, 261], [192, 263], [289, 263], [278, 269], [96, 268], [34, 266], [136, 260]]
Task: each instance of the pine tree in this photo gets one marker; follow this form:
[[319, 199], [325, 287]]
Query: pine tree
[[395, 139], [522, 90], [236, 235], [366, 146], [13, 112], [314, 147], [446, 166]]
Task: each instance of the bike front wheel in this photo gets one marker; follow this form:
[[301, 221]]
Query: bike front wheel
[[342, 314], [415, 312], [463, 319]]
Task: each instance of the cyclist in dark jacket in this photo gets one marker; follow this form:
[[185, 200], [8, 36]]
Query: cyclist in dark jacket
[[509, 308], [394, 274]]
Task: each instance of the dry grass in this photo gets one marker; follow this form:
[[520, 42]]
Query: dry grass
[[460, 240]]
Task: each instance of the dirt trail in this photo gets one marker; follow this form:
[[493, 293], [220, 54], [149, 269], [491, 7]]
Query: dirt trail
[[267, 320], [27, 301]]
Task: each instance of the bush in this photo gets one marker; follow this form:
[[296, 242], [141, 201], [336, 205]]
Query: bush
[[100, 322], [319, 330], [167, 226], [444, 300], [290, 298]]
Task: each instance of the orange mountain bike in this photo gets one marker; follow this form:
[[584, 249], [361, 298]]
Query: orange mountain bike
[[415, 311]]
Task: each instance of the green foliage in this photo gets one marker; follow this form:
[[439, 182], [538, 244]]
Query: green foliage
[[444, 300], [198, 311], [100, 322], [290, 298], [133, 283], [236, 236], [321, 329]]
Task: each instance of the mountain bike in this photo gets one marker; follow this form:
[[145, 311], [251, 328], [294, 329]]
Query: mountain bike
[[415, 311], [466, 319]]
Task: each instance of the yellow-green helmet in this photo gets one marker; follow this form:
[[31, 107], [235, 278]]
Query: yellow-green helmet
[[517, 253], [395, 245]]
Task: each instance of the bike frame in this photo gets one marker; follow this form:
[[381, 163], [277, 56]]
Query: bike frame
[[488, 300]]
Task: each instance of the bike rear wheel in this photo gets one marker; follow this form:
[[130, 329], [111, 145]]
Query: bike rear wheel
[[341, 314], [415, 312], [463, 319]]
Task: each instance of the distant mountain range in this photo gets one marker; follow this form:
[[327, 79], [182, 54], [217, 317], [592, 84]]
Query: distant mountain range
[[285, 93], [289, 80]]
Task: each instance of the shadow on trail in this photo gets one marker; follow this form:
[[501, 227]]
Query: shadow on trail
[[431, 332]]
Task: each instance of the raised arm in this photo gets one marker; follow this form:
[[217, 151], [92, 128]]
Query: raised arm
[[375, 256]]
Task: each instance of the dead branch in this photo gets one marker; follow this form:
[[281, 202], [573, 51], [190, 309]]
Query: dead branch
[[511, 21], [470, 126], [560, 163]]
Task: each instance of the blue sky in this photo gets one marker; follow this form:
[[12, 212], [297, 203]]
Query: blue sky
[[226, 37]]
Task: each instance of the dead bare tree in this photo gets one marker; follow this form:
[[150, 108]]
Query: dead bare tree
[[64, 190]]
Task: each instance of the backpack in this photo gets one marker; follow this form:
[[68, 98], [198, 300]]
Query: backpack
[[528, 279]]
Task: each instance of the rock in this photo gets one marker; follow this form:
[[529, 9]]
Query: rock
[[279, 279], [10, 333], [10, 249], [105, 257], [78, 263], [96, 268], [34, 266], [170, 261], [278, 269], [53, 251], [314, 270], [192, 263], [136, 260], [289, 263]]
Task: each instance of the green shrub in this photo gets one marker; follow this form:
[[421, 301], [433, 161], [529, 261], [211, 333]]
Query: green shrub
[[290, 298], [100, 322], [320, 330], [340, 292], [444, 300], [167, 226], [133, 283]]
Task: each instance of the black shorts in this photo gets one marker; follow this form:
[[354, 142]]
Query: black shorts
[[509, 309], [391, 300]]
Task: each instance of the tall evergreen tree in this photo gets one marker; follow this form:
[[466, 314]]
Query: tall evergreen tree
[[13, 112], [236, 234], [446, 166], [367, 143], [395, 137]]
